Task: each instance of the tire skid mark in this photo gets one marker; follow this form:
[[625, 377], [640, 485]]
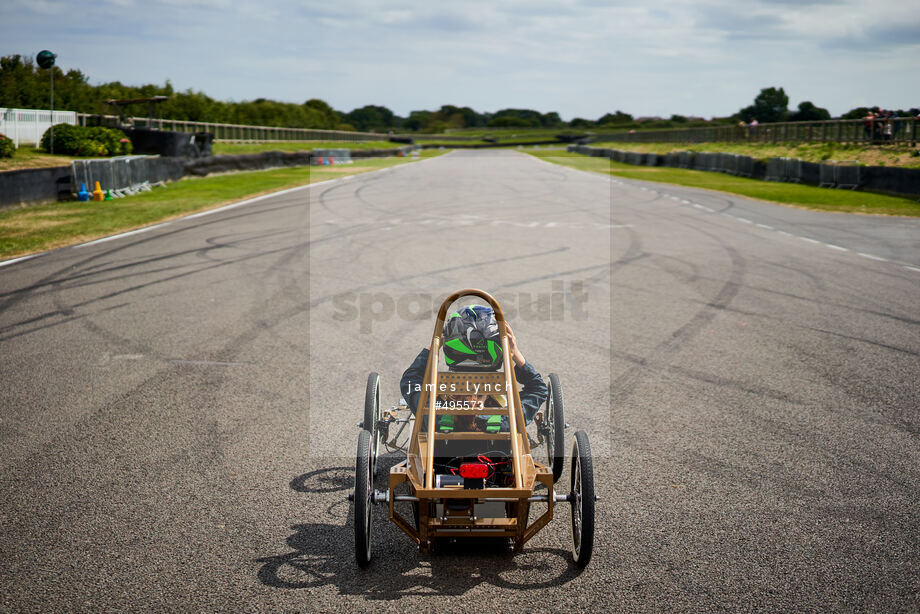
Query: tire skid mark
[[624, 386], [315, 302], [89, 266]]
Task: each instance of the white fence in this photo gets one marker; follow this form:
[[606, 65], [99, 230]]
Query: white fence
[[26, 126]]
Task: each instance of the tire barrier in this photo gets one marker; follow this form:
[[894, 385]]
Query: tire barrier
[[34, 186], [892, 180], [332, 156], [129, 174], [126, 175], [845, 177], [635, 158], [784, 169]]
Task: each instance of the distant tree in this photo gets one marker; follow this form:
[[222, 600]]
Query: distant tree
[[580, 122], [509, 121], [770, 105], [371, 118], [678, 119], [471, 118], [551, 120], [615, 118], [859, 112], [418, 120], [808, 112], [506, 118], [321, 114]]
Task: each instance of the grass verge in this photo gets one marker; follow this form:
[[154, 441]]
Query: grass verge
[[30, 157], [876, 155], [246, 148], [808, 197], [43, 227]]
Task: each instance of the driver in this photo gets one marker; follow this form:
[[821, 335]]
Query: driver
[[472, 341]]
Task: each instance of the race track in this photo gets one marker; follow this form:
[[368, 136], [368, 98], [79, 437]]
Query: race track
[[178, 406]]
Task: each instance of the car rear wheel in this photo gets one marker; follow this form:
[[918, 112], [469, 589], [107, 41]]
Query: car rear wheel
[[364, 492], [372, 417], [555, 427], [582, 500]]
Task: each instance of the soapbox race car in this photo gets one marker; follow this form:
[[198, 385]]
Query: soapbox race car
[[470, 483]]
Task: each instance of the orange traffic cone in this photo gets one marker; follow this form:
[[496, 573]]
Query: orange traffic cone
[[98, 194]]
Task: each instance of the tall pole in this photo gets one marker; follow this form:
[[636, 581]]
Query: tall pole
[[46, 60], [51, 72]]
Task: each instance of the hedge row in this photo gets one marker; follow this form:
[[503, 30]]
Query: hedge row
[[87, 141], [7, 146]]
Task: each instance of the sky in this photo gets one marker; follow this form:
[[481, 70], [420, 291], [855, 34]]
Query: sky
[[580, 58]]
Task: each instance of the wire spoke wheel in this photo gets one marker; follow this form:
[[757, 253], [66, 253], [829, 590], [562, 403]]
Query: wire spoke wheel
[[364, 491], [372, 418], [582, 500], [555, 427]]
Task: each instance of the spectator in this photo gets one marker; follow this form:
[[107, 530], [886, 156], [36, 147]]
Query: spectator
[[868, 122], [752, 127], [893, 126]]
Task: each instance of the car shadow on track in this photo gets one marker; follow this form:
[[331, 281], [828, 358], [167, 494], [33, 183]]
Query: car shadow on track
[[323, 554]]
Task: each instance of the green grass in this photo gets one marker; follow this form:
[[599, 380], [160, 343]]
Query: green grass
[[30, 157], [39, 228], [809, 197], [245, 148], [499, 142], [881, 155]]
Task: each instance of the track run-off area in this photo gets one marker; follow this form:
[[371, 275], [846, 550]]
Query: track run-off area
[[178, 405]]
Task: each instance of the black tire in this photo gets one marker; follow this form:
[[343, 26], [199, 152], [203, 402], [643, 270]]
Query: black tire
[[364, 491], [555, 421], [372, 417], [582, 499]]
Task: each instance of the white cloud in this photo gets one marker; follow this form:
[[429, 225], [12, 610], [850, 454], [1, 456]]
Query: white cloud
[[580, 58]]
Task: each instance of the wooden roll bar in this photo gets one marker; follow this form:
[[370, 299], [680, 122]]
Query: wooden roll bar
[[519, 444]]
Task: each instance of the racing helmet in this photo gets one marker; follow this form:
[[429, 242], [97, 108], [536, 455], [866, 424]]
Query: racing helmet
[[471, 340]]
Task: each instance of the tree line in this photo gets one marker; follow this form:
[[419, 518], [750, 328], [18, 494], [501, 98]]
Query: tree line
[[24, 85]]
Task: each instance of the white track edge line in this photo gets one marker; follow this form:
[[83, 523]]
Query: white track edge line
[[200, 214]]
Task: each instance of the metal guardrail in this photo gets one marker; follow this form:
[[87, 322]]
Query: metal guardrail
[[238, 133], [901, 130]]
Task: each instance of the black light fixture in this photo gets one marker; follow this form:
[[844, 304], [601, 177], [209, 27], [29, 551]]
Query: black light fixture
[[45, 59]]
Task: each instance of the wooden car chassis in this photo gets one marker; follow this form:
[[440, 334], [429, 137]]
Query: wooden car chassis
[[418, 469]]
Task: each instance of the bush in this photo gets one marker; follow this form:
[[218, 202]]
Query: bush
[[7, 147], [87, 141]]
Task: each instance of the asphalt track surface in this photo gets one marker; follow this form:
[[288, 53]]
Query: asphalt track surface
[[178, 406]]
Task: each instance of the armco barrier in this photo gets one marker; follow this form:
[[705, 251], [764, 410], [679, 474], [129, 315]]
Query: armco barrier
[[893, 180]]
